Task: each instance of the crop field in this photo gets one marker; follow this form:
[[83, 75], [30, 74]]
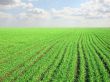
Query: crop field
[[54, 55]]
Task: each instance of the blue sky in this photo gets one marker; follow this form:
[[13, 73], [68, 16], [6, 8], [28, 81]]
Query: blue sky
[[54, 13], [48, 4]]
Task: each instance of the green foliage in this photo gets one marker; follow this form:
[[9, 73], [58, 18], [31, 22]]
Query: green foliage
[[54, 55]]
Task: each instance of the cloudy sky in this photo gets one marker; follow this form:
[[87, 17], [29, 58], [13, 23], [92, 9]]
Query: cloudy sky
[[54, 13]]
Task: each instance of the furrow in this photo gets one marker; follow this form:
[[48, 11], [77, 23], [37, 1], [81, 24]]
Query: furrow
[[104, 47], [97, 71], [32, 64], [58, 66], [78, 64], [102, 59], [86, 64], [49, 67], [102, 68]]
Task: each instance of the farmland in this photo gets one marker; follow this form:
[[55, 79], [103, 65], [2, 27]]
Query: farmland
[[54, 55]]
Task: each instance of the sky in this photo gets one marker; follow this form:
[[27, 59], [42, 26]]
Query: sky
[[54, 13]]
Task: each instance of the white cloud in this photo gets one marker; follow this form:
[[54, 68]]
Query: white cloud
[[27, 6], [90, 13], [5, 15], [30, 11], [67, 13], [96, 8], [89, 9], [34, 13], [10, 3], [14, 3]]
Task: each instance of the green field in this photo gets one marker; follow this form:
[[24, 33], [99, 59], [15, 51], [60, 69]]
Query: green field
[[54, 55]]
